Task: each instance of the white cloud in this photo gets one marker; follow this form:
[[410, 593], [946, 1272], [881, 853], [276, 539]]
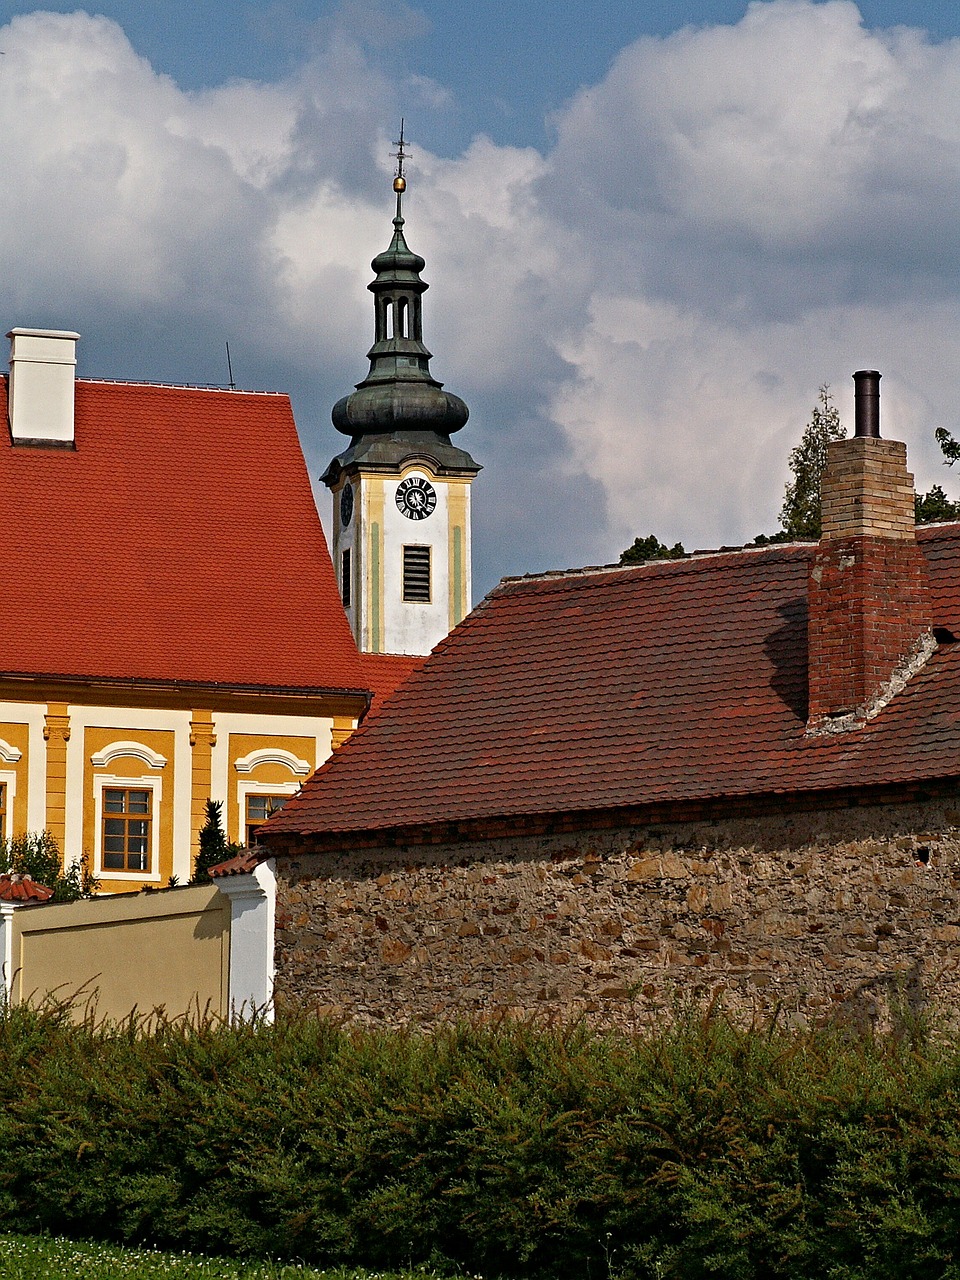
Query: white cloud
[[639, 319], [765, 207]]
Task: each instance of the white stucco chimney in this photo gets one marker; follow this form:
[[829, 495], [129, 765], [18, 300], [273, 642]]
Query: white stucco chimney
[[43, 364]]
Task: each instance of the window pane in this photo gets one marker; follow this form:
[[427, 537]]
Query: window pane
[[126, 838], [257, 807]]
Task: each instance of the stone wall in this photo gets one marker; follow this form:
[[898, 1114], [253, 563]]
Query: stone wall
[[855, 911]]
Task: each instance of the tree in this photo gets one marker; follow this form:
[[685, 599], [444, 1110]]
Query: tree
[[651, 548], [948, 446], [800, 514], [934, 504], [213, 843], [37, 854]]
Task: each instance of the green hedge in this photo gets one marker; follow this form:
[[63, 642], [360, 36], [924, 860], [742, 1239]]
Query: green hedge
[[513, 1151]]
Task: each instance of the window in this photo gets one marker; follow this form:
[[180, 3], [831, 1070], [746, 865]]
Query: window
[[259, 808], [3, 811], [416, 574], [345, 577], [127, 817]]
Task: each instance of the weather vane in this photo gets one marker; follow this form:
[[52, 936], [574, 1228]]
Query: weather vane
[[399, 182]]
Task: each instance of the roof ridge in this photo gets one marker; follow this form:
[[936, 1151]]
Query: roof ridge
[[592, 570], [180, 386]]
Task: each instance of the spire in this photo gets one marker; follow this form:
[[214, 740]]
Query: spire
[[399, 394]]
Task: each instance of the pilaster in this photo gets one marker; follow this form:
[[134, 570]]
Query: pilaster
[[203, 739], [343, 727], [56, 734]]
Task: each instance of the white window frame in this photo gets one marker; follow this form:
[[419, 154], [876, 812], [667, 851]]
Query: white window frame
[[10, 778], [143, 783]]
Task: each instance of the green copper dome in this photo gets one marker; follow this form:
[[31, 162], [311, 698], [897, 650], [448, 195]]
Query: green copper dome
[[399, 394]]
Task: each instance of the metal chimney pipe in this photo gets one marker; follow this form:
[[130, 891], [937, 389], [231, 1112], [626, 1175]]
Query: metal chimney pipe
[[867, 403]]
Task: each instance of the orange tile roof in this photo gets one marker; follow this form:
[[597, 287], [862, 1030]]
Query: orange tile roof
[[179, 541], [384, 673], [240, 864], [671, 682], [22, 888]]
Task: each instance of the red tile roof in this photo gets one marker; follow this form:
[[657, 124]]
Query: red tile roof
[[17, 888], [668, 682], [178, 542], [386, 672], [241, 864]]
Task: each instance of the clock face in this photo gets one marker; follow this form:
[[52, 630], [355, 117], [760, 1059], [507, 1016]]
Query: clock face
[[346, 504], [416, 497]]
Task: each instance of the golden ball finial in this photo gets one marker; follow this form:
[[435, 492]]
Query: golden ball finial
[[399, 184]]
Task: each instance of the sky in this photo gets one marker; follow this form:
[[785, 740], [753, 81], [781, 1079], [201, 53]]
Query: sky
[[652, 231]]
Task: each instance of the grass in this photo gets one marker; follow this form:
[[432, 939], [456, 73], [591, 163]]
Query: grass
[[43, 1258]]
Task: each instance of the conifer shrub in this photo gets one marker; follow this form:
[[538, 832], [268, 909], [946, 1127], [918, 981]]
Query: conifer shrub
[[213, 845], [502, 1151]]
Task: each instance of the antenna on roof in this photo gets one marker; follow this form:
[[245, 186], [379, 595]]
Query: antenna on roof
[[232, 384]]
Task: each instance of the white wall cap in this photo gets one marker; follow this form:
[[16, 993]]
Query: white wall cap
[[43, 333]]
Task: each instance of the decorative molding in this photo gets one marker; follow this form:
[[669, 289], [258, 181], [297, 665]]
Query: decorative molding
[[138, 750], [273, 755], [202, 734], [10, 755], [56, 724]]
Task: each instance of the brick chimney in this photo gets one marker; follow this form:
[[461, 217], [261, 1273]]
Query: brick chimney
[[870, 618]]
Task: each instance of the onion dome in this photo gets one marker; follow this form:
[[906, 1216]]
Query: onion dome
[[399, 394]]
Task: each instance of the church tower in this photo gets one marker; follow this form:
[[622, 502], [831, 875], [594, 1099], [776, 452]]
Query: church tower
[[401, 491]]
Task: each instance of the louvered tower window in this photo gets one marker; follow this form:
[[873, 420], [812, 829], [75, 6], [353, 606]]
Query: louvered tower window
[[416, 574], [345, 577]]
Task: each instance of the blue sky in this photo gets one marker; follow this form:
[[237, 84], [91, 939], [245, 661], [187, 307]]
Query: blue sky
[[509, 68], [651, 230]]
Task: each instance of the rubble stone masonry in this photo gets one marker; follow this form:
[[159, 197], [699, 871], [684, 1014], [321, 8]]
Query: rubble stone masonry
[[853, 912]]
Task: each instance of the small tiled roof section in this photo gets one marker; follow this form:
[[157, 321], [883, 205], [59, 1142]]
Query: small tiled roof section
[[241, 864], [674, 681], [178, 541], [384, 673], [22, 888]]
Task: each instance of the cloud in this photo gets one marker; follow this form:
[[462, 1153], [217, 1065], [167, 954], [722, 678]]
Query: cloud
[[763, 207], [639, 318]]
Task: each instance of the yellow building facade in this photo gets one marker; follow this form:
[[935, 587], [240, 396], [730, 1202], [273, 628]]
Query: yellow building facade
[[122, 782], [176, 634]]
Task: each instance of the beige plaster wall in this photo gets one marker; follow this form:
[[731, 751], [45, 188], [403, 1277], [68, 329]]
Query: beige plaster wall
[[856, 911], [167, 949]]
